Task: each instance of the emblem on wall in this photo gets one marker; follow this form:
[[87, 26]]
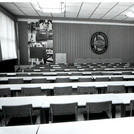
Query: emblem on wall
[[99, 42]]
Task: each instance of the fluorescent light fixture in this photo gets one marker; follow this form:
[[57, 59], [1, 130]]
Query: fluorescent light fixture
[[130, 14], [52, 7]]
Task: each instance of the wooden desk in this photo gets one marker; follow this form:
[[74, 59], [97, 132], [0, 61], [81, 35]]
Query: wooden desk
[[51, 86], [27, 129], [125, 77], [54, 73], [49, 78], [72, 78], [106, 126]]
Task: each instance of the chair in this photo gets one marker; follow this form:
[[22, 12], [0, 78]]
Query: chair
[[31, 91], [63, 90], [102, 79], [116, 89], [116, 79], [98, 110], [62, 74], [64, 80], [131, 107], [64, 112], [40, 80], [3, 75], [21, 74], [18, 115], [36, 74], [127, 73], [15, 81], [86, 90], [76, 74], [96, 73], [5, 92], [85, 79]]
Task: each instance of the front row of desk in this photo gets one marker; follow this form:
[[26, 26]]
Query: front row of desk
[[106, 126], [43, 103]]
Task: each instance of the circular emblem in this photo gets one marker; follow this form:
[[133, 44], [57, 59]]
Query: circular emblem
[[99, 42]]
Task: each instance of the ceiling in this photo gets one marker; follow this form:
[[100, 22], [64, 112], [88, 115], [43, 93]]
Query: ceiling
[[100, 11]]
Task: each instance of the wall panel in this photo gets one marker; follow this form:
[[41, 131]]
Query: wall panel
[[74, 39]]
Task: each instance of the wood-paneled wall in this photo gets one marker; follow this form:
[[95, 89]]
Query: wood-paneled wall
[[74, 40]]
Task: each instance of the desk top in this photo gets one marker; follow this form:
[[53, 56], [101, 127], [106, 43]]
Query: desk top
[[73, 84], [67, 71], [27, 129], [71, 77], [104, 126], [81, 99], [36, 101]]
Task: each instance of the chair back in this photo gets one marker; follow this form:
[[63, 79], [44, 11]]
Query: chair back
[[98, 107], [116, 79], [116, 89], [40, 80], [102, 79], [63, 90], [64, 109], [85, 79], [32, 91], [131, 107], [15, 81], [86, 90], [62, 80], [5, 92]]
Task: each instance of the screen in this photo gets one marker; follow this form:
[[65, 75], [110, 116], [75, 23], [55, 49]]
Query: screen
[[38, 52]]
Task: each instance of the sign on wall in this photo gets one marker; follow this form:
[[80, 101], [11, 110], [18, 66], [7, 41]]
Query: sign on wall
[[40, 34], [99, 42]]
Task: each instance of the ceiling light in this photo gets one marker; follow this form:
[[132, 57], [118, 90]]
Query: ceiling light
[[52, 7], [130, 14]]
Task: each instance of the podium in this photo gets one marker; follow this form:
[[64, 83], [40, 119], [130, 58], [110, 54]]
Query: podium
[[60, 58]]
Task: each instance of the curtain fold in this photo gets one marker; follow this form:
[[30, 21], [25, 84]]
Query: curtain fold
[[7, 37]]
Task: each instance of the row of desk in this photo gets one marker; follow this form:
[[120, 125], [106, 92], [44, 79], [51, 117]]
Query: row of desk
[[110, 126], [43, 102], [65, 72], [72, 78], [50, 86]]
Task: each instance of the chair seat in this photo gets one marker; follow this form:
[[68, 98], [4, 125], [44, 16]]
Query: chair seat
[[63, 118], [96, 116], [15, 121]]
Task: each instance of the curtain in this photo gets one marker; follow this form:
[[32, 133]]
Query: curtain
[[7, 37]]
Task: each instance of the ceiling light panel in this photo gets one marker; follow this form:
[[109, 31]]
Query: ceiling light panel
[[73, 4], [58, 15], [119, 9], [23, 4], [120, 17], [125, 3], [96, 16], [89, 6], [107, 5], [72, 9], [71, 15]]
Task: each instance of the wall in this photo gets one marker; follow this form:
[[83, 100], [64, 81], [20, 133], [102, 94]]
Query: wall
[[74, 39], [23, 42]]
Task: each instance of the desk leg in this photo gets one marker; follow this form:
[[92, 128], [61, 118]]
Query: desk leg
[[113, 111], [123, 110], [42, 116]]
